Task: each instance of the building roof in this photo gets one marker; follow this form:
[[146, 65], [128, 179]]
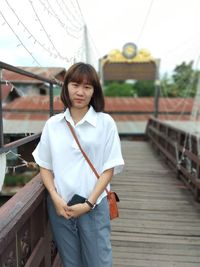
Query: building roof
[[8, 93], [121, 108], [147, 104], [48, 72], [131, 114], [5, 90]]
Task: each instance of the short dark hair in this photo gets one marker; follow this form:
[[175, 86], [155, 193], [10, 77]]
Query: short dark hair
[[78, 73]]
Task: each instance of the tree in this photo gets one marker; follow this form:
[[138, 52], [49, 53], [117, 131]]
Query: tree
[[119, 89], [144, 88], [183, 82], [166, 86]]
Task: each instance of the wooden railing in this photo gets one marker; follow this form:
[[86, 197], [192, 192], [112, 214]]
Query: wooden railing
[[25, 236], [180, 150]]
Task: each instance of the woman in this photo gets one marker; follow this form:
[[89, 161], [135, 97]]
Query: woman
[[81, 231]]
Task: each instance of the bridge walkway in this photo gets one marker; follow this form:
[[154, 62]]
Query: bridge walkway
[[159, 224]]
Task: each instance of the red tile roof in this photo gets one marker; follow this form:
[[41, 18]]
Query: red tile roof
[[147, 104], [5, 90], [49, 72], [135, 108]]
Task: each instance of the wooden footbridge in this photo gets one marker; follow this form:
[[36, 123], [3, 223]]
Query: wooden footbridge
[[159, 224]]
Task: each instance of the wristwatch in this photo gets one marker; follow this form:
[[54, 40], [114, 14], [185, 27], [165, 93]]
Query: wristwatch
[[92, 206]]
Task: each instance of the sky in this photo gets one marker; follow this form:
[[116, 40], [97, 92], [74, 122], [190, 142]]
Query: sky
[[53, 32]]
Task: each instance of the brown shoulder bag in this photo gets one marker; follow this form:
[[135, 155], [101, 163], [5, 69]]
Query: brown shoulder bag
[[111, 195]]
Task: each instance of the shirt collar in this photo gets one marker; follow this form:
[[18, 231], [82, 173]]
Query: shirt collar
[[90, 117]]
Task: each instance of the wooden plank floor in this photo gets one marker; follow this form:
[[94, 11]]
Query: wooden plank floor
[[159, 224]]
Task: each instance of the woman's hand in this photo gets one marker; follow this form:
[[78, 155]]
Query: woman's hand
[[77, 210], [74, 211], [60, 206]]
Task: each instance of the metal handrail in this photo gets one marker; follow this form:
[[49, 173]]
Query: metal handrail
[[6, 66], [51, 82]]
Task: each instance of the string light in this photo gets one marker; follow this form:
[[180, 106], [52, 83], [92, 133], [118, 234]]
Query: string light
[[51, 50], [44, 30], [57, 17], [68, 11], [65, 27], [75, 9], [35, 40], [46, 33], [35, 60]]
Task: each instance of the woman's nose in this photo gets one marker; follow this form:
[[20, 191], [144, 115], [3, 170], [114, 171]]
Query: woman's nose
[[80, 90]]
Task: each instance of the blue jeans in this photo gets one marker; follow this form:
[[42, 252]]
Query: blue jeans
[[83, 241]]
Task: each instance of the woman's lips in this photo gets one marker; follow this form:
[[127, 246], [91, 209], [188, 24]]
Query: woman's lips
[[78, 99]]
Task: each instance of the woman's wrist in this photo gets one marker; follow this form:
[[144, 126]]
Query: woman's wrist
[[53, 193], [86, 207], [90, 204]]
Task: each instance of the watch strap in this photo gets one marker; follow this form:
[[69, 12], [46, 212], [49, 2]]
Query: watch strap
[[92, 206]]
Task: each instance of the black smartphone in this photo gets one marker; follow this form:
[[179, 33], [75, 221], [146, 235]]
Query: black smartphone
[[76, 199]]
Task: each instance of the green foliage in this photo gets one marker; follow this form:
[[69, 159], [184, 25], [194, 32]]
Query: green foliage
[[139, 88], [119, 89], [17, 179], [144, 88], [167, 87], [183, 82]]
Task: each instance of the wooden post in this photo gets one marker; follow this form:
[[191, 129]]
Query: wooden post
[[157, 90]]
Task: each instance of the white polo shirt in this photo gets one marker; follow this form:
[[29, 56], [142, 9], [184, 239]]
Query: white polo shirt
[[58, 151]]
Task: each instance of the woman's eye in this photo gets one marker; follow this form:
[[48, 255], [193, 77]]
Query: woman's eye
[[74, 84], [88, 87]]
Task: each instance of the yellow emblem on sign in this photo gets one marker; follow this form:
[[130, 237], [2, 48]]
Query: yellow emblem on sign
[[129, 50]]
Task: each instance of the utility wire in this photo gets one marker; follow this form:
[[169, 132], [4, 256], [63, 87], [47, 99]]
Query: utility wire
[[145, 21]]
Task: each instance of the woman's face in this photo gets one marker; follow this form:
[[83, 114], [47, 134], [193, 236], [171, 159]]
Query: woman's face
[[80, 94]]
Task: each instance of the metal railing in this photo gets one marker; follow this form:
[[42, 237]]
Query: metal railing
[[25, 236], [4, 148], [180, 150]]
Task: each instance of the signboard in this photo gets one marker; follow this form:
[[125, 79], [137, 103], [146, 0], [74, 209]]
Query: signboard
[[128, 64]]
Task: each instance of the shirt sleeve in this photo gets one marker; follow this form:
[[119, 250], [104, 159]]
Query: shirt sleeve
[[42, 153], [112, 152]]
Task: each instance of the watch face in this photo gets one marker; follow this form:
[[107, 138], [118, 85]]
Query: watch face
[[129, 50]]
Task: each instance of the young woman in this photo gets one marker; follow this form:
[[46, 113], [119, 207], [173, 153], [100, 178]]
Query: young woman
[[81, 231]]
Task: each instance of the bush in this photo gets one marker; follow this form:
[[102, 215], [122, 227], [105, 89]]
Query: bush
[[119, 89], [17, 179]]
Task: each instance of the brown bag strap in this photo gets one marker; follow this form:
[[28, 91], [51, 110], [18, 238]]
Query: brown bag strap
[[83, 152]]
